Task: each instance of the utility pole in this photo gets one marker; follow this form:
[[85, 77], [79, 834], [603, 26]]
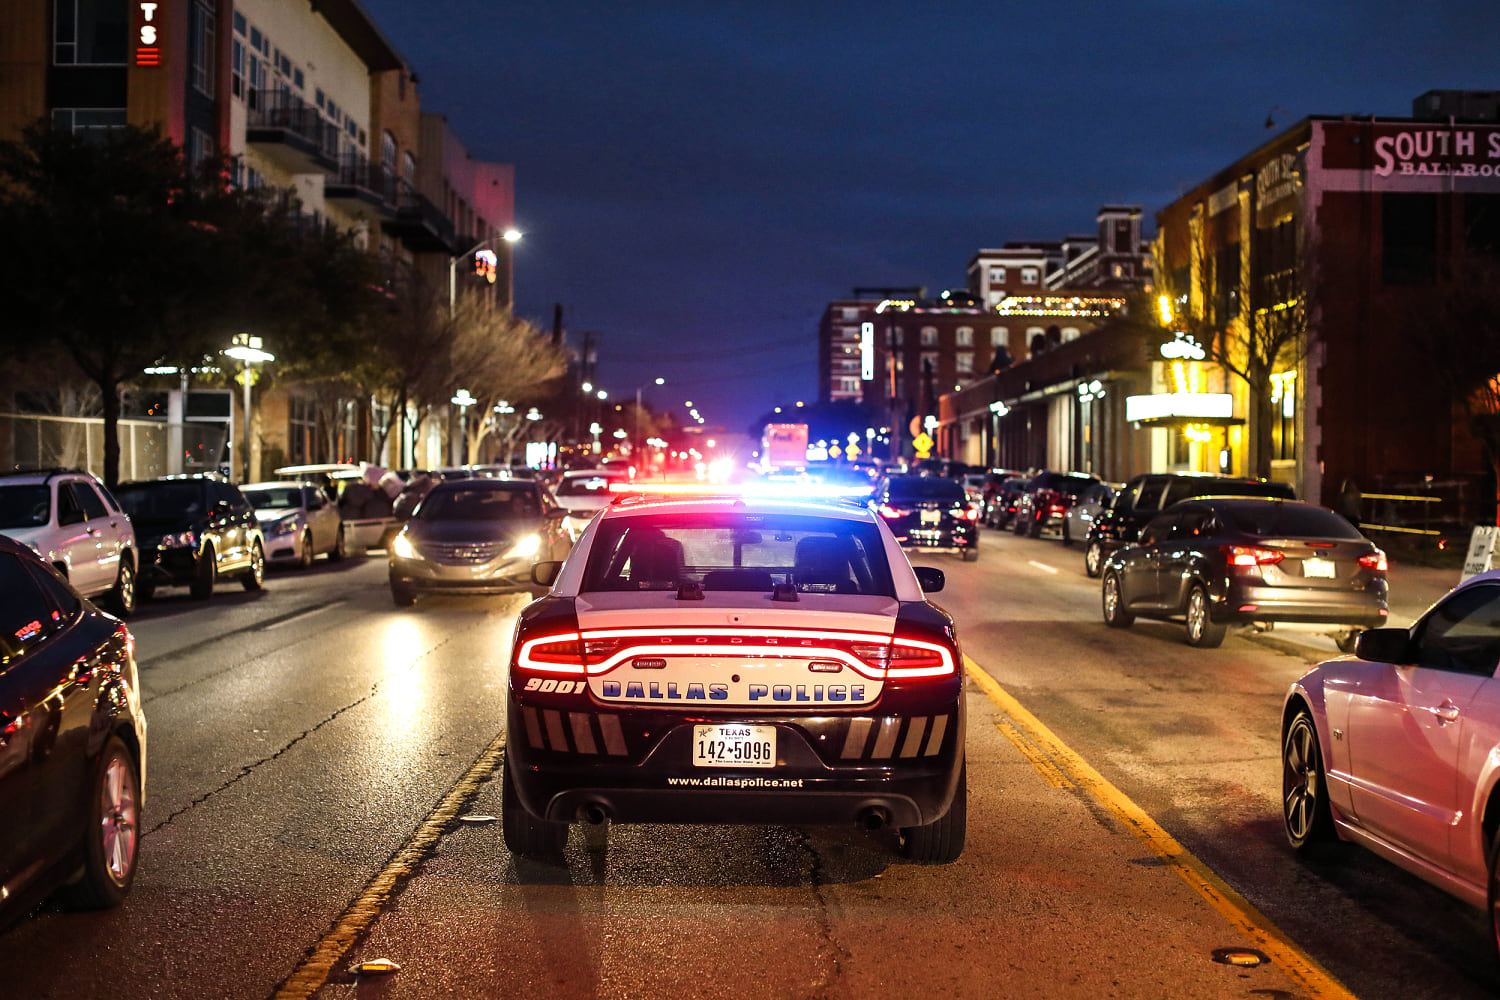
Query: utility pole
[[914, 293]]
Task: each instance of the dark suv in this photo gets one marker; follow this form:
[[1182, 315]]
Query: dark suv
[[192, 530], [927, 512], [1147, 495], [1046, 499]]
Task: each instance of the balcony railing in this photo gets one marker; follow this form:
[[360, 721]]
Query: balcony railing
[[279, 117], [358, 179], [419, 223]]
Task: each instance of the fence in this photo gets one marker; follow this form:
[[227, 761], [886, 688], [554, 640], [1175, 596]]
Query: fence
[[1423, 512], [28, 441]]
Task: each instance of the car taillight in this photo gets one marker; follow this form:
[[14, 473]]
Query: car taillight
[[552, 654], [1251, 555], [886, 510], [919, 658], [1375, 560]]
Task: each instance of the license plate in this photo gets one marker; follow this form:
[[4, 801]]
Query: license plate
[[1319, 568], [932, 517], [734, 746]]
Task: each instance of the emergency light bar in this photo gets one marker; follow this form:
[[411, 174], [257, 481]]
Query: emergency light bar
[[774, 491]]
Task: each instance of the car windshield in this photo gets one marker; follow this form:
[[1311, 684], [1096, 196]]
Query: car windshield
[[925, 488], [160, 501], [24, 505], [275, 496], [585, 485], [478, 503], [1277, 520], [740, 552]]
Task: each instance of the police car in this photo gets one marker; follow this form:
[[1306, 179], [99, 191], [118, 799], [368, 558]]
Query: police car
[[736, 659]]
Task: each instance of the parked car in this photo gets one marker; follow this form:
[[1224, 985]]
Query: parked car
[[1086, 509], [708, 654], [1000, 499], [929, 513], [1218, 561], [194, 530], [582, 493], [1145, 496], [298, 522], [1044, 501], [68, 518], [366, 498], [1395, 747], [72, 742], [476, 536]]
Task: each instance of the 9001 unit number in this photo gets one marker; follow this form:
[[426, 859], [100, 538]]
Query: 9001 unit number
[[734, 746]]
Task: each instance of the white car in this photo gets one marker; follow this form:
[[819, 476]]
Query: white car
[[68, 518], [736, 659], [583, 493], [298, 520], [1397, 747]]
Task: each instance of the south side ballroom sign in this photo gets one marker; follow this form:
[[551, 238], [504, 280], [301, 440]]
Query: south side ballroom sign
[[1430, 152], [148, 21]]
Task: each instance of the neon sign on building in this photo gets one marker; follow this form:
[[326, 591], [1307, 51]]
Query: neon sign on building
[[147, 32]]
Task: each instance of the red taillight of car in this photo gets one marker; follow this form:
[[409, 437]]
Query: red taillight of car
[[553, 654], [912, 658], [1245, 556], [886, 510], [1376, 561]]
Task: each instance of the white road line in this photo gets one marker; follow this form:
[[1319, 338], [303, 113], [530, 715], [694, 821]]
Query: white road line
[[1041, 566], [306, 614]]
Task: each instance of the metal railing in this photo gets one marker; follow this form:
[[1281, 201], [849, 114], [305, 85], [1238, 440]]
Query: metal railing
[[285, 110], [356, 171]]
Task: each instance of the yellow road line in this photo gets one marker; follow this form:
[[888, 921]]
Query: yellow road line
[[1301, 967], [352, 925]]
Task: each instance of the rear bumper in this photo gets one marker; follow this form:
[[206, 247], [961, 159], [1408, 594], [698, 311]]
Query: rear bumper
[[1362, 608]]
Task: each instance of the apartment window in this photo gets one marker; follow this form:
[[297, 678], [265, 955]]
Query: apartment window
[[202, 25], [253, 179], [298, 80], [997, 275], [929, 362], [200, 148], [237, 67], [88, 122], [256, 39], [89, 33], [850, 315], [850, 385], [896, 336], [1029, 275], [388, 149], [408, 168], [319, 99], [963, 362], [964, 336], [999, 336], [929, 336]]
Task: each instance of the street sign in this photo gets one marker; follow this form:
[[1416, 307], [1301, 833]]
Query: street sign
[[923, 444], [1481, 555]]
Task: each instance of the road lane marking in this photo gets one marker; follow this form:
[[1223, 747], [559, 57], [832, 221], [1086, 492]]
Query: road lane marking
[[352, 925], [1318, 983], [1042, 566], [300, 615]]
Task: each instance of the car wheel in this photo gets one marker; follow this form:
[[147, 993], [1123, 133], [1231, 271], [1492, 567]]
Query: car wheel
[[305, 551], [255, 576], [1201, 630], [942, 840], [122, 597], [113, 835], [971, 553], [402, 595], [1348, 639], [1017, 526], [1115, 615], [1093, 560], [202, 587], [340, 547], [1304, 790], [525, 834], [1034, 527], [1067, 539]]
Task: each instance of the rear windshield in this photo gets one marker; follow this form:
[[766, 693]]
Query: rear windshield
[[25, 505], [275, 496], [586, 485], [925, 488], [161, 501], [478, 503], [743, 552], [1277, 520], [1227, 488]]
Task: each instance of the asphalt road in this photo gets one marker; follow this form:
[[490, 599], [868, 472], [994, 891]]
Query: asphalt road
[[318, 795]]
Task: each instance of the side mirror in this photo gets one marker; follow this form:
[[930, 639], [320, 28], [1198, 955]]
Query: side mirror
[[1384, 645], [931, 578], [544, 574]]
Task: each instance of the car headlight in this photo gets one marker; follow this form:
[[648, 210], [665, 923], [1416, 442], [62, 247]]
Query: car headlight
[[526, 547], [180, 540], [401, 545], [284, 525]]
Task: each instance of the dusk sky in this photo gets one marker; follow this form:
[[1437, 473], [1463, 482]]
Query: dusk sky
[[697, 180]]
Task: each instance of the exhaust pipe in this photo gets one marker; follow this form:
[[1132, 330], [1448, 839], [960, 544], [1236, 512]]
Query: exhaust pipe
[[593, 814], [874, 818]]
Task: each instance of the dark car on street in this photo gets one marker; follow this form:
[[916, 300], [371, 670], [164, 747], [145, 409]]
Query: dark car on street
[[929, 513], [72, 742], [1046, 499], [1147, 495], [1218, 561], [477, 536], [192, 531], [1000, 498]]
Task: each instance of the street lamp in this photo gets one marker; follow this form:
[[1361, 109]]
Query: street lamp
[[636, 441], [463, 400], [247, 350], [491, 269]]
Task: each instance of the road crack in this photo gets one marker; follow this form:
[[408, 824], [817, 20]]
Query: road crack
[[837, 954]]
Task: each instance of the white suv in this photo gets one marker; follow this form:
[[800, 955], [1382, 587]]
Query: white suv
[[72, 521]]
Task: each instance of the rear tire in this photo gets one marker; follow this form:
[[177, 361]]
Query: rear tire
[[111, 842], [305, 551], [1034, 528], [340, 546], [202, 587], [525, 834], [1304, 793], [941, 841], [971, 553], [1093, 560], [402, 595], [1115, 615], [255, 577], [1202, 631], [122, 598]]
